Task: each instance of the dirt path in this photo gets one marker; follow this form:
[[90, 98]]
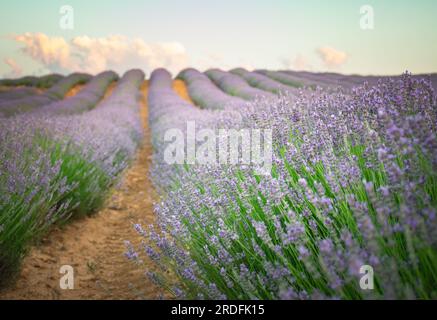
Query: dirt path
[[110, 89], [181, 89], [94, 246], [73, 91]]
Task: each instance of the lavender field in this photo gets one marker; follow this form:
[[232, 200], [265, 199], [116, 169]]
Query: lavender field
[[330, 192]]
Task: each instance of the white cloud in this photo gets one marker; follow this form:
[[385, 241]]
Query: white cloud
[[93, 55], [331, 57], [16, 69], [171, 55], [52, 52]]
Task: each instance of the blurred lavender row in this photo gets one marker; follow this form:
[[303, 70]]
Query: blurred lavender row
[[350, 81], [167, 109], [43, 82], [236, 86], [169, 112], [32, 102], [329, 79], [263, 82], [291, 80], [55, 165], [18, 93], [107, 135], [205, 93], [86, 98]]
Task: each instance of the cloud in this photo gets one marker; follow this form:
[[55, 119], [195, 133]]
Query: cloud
[[52, 52], [331, 57], [299, 62], [16, 69], [171, 55], [93, 55]]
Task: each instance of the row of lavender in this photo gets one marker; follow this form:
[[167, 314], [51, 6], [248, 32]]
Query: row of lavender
[[85, 99], [16, 93], [217, 89], [235, 85], [348, 81], [43, 82], [59, 162], [353, 185], [11, 107], [263, 82], [205, 93]]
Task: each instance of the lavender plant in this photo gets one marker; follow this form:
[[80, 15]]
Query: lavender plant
[[43, 82], [57, 166], [263, 82], [351, 81], [18, 93], [86, 98], [331, 79], [290, 80], [353, 184], [205, 93], [235, 85], [58, 91]]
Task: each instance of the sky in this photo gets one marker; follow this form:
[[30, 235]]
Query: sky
[[387, 37]]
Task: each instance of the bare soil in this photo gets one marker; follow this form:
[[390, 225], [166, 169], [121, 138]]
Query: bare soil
[[181, 89], [73, 91], [110, 89]]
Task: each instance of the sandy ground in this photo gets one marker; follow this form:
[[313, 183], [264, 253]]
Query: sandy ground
[[180, 87], [73, 91], [94, 246], [111, 88]]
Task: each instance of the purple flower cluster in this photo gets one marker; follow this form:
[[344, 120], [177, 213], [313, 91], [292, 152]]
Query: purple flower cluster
[[205, 93], [167, 110], [55, 165], [353, 184]]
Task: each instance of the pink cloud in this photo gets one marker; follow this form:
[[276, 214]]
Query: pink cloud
[[299, 62], [52, 52], [16, 69], [93, 55], [332, 57]]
